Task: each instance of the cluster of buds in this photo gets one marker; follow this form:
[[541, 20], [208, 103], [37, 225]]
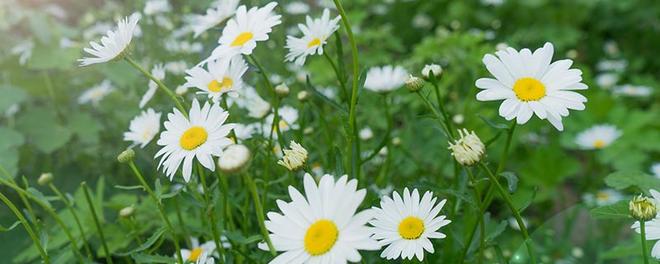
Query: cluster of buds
[[468, 149], [642, 208], [294, 158]]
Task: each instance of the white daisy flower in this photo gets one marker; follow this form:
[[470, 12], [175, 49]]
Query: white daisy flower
[[205, 258], [244, 132], [223, 76], [322, 226], [23, 50], [297, 8], [249, 99], [295, 157], [366, 133], [607, 80], [221, 11], [234, 158], [315, 33], [242, 32], [113, 44], [633, 90], [202, 251], [176, 67], [159, 72], [655, 169], [202, 136], [153, 7], [406, 225], [602, 197], [288, 120], [652, 227], [95, 94], [597, 137], [143, 128], [529, 84], [385, 79]]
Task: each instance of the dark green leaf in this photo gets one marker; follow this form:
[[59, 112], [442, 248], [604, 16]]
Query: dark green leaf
[[618, 210], [511, 179], [147, 244]]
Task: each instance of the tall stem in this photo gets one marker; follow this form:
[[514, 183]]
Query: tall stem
[[276, 99], [75, 217], [260, 211], [353, 140], [642, 235], [210, 211], [437, 115], [159, 204], [507, 199], [444, 112], [28, 228], [160, 84], [97, 223], [340, 79]]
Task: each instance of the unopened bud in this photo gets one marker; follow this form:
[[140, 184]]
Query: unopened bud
[[468, 149], [126, 156], [45, 179], [396, 141], [295, 157], [282, 90], [642, 208], [414, 83], [234, 158], [303, 96], [127, 211], [431, 69]]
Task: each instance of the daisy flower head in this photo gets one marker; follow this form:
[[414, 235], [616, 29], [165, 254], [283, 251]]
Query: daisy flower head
[[530, 85], [95, 94], [244, 30], [203, 135], [143, 128], [597, 137], [159, 72], [633, 90], [221, 11], [221, 76], [152, 7], [114, 44], [406, 224], [655, 169], [202, 253], [288, 120], [322, 226], [652, 226], [385, 79], [315, 33], [602, 197]]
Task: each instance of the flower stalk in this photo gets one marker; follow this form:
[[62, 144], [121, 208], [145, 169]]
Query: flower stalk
[[97, 223]]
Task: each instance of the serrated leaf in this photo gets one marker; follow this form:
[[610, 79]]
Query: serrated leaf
[[9, 228], [511, 180], [147, 244], [618, 210], [626, 179]]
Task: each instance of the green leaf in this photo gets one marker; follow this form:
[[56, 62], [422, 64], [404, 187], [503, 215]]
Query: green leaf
[[128, 188], [626, 179], [41, 129], [511, 179], [144, 258], [9, 162], [147, 244], [10, 138], [85, 127], [324, 98], [39, 196], [5, 229], [11, 95], [493, 124], [618, 210]]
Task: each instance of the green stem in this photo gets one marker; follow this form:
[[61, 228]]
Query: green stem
[[642, 235], [160, 84], [276, 99], [210, 212], [342, 82], [260, 212], [51, 93], [224, 185], [353, 139], [28, 228], [97, 223], [444, 112], [507, 199], [69, 206], [482, 226], [159, 204], [437, 115]]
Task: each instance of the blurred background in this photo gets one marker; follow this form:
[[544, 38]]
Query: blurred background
[[44, 126]]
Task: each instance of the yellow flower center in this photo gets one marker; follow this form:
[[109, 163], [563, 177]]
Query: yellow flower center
[[602, 196], [194, 254], [320, 237], [314, 42], [599, 143], [411, 228], [242, 38], [215, 86], [529, 89], [193, 138]]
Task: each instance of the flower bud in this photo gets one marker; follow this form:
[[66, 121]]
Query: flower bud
[[126, 156], [431, 69], [468, 149], [396, 141], [303, 96], [282, 90], [234, 158], [414, 83], [45, 178], [642, 208], [294, 158], [127, 211]]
